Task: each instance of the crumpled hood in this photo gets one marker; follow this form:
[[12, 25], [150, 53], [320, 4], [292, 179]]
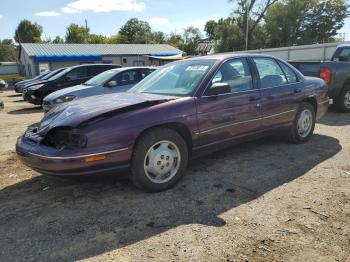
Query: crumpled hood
[[73, 113], [65, 91]]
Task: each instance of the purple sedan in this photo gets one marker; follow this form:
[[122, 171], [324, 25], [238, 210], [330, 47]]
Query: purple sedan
[[183, 110]]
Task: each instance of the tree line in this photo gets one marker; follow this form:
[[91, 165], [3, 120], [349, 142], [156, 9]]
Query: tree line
[[270, 23]]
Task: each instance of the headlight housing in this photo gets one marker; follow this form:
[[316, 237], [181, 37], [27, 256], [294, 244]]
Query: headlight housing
[[64, 99], [35, 87], [62, 138]]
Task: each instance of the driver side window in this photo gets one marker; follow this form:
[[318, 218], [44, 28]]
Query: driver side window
[[236, 73]]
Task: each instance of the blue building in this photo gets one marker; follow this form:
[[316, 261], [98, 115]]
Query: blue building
[[35, 57]]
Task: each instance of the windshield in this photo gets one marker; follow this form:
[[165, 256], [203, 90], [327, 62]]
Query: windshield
[[51, 74], [58, 75], [179, 78], [100, 79]]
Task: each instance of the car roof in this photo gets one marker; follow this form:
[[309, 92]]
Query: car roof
[[132, 67], [224, 56], [88, 65]]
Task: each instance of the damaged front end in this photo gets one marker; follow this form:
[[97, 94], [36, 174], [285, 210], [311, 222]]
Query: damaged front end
[[59, 138]]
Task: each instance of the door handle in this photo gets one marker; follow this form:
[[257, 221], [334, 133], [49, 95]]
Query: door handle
[[297, 90], [254, 98]]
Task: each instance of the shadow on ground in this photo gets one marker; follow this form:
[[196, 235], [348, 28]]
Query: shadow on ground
[[48, 218], [26, 111], [15, 95], [334, 118]]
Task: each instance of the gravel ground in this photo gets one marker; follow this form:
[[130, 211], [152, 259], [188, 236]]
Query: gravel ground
[[265, 200]]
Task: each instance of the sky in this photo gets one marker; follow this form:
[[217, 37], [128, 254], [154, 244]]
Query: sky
[[107, 16]]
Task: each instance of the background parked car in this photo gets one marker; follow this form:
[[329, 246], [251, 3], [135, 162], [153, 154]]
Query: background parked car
[[111, 81], [336, 73], [3, 84], [69, 77], [19, 85], [183, 109], [25, 86]]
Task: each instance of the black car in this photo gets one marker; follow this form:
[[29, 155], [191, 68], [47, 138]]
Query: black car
[[19, 85], [71, 76], [43, 78]]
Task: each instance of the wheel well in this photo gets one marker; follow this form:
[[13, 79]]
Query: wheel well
[[312, 101], [346, 83], [180, 128]]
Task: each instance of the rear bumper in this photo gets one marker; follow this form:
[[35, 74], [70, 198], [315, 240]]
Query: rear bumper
[[48, 160], [322, 108]]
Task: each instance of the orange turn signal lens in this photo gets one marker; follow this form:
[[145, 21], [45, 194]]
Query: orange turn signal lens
[[94, 158]]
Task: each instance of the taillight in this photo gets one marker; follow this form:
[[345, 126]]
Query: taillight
[[326, 74]]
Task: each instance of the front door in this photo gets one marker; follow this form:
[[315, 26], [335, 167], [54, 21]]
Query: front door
[[226, 116]]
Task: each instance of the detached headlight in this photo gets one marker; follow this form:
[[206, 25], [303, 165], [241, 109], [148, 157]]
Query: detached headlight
[[63, 99], [35, 87]]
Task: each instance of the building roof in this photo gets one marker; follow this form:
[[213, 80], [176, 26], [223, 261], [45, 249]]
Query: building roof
[[34, 49]]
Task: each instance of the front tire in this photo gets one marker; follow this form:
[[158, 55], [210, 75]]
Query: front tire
[[303, 125], [159, 160], [342, 102]]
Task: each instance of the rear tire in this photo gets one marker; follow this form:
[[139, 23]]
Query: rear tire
[[303, 124], [159, 160], [342, 102]]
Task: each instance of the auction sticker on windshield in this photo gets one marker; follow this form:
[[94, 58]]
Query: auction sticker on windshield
[[197, 68]]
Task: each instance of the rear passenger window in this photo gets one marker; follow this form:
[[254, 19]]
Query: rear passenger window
[[236, 73], [145, 72], [291, 76], [78, 73], [127, 77], [271, 74], [95, 70]]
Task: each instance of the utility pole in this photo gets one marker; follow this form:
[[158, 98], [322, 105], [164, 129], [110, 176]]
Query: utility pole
[[86, 30], [247, 2]]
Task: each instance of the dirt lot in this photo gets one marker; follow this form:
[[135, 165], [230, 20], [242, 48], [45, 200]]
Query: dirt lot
[[265, 200]]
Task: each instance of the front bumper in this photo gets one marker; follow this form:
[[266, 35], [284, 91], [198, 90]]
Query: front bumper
[[51, 161], [31, 97], [47, 106]]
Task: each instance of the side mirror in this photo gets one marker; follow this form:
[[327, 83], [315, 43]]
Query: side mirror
[[111, 83], [67, 78], [219, 89]]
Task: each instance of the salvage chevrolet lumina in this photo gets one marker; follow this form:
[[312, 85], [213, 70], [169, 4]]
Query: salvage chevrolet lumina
[[182, 110]]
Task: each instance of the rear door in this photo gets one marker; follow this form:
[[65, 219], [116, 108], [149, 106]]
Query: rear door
[[281, 91], [226, 116]]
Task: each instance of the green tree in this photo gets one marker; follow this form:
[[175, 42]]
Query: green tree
[[256, 9], [116, 39], [175, 40], [191, 37], [136, 31], [58, 40], [28, 32], [77, 34], [210, 29], [229, 34], [304, 22], [97, 39], [158, 37], [8, 52], [323, 20]]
